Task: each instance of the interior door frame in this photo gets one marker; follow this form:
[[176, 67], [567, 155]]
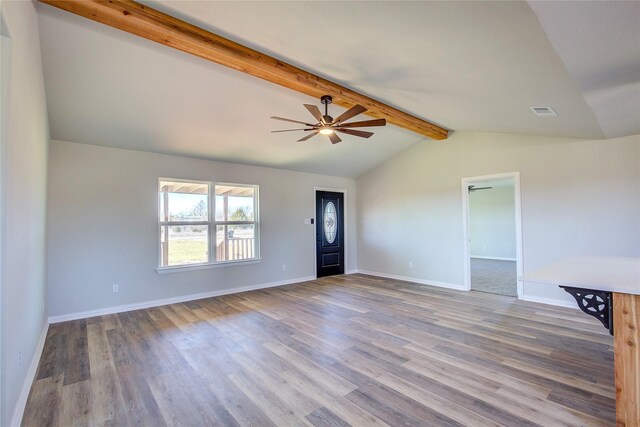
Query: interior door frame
[[346, 228], [466, 226]]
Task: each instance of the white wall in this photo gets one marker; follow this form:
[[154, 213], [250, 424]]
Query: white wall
[[492, 222], [24, 171], [102, 226], [578, 197]]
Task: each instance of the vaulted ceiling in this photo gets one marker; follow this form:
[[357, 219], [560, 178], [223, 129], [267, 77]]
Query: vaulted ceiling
[[475, 66]]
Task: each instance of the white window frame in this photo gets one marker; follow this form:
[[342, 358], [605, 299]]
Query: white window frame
[[212, 225], [255, 222]]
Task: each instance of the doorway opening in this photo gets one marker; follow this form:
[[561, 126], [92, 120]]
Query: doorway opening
[[492, 234]]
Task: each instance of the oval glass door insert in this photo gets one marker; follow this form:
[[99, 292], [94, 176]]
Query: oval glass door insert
[[330, 222]]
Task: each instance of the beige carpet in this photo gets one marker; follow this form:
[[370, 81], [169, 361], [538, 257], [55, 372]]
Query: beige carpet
[[493, 276]]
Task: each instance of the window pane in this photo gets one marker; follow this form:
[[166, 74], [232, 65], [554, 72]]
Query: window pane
[[188, 244], [184, 201], [235, 242], [234, 203], [330, 222]]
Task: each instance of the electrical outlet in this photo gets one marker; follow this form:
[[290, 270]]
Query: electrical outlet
[[284, 267], [410, 264], [116, 288]]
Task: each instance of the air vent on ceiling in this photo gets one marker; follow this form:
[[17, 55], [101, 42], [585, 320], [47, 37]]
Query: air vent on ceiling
[[543, 111]]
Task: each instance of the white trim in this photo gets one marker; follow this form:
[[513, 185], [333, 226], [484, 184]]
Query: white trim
[[346, 229], [18, 410], [415, 280], [173, 300], [495, 258], [466, 247], [205, 266], [549, 301], [519, 258], [351, 272]]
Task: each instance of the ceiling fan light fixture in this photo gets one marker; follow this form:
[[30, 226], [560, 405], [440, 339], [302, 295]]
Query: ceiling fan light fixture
[[330, 127], [326, 130]]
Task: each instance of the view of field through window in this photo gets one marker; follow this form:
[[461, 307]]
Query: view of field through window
[[185, 223], [235, 223]]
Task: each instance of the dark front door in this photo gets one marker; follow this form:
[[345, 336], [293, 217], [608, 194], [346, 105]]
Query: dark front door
[[329, 233]]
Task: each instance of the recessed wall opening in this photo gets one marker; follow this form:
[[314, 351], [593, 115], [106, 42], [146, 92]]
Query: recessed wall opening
[[492, 239]]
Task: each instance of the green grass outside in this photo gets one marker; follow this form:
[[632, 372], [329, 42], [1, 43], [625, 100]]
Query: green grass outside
[[187, 251]]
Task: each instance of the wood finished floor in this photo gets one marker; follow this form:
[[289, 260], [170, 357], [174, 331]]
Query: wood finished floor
[[342, 350]]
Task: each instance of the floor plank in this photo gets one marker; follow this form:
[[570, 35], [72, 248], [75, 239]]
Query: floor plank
[[338, 351]]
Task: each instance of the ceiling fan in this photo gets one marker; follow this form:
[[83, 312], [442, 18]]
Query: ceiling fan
[[474, 188], [327, 125]]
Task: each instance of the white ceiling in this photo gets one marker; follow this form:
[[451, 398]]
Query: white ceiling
[[599, 43], [464, 65]]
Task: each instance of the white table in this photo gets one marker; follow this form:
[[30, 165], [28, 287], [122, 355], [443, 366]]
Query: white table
[[607, 288]]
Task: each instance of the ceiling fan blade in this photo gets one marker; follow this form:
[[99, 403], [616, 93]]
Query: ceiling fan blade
[[364, 123], [315, 112], [292, 121], [360, 133], [287, 130], [311, 135], [351, 112], [334, 138], [474, 188]]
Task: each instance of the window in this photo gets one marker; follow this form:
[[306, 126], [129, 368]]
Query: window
[[235, 222], [204, 223]]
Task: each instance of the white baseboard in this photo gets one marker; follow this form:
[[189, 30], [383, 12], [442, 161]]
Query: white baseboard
[[174, 300], [351, 272], [549, 301], [496, 258], [415, 280], [18, 410]]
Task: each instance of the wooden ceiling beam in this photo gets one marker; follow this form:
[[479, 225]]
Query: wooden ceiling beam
[[152, 24]]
